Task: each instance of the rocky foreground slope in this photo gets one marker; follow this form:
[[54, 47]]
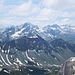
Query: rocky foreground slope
[[68, 68]]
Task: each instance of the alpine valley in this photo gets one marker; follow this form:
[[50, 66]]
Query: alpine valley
[[29, 50]]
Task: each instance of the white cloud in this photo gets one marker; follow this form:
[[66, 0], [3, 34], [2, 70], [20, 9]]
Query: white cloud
[[25, 10], [22, 10], [45, 12], [68, 14], [5, 22], [1, 5], [1, 1], [64, 22], [59, 4], [49, 14], [49, 3], [10, 21]]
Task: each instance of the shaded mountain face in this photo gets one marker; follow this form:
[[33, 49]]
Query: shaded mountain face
[[35, 52], [25, 70], [68, 68], [29, 43], [60, 43], [63, 49]]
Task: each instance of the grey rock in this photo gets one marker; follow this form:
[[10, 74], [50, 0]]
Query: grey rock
[[68, 68]]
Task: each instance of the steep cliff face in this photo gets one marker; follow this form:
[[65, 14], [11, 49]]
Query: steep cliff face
[[68, 68]]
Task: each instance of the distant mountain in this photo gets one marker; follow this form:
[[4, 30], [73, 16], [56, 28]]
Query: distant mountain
[[66, 32], [49, 32], [25, 30], [54, 29]]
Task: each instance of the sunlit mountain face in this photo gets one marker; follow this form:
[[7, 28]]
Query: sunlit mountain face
[[29, 49]]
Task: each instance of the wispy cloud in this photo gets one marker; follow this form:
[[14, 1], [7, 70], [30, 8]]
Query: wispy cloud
[[22, 10]]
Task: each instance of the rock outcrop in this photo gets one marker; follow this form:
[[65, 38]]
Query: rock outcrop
[[68, 68]]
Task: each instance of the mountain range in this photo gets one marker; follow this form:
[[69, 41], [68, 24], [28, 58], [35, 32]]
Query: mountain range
[[29, 45]]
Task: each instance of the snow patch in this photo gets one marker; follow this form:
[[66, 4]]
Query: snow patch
[[72, 59], [38, 64], [29, 57], [0, 69], [6, 71], [33, 36], [30, 70], [74, 67], [2, 51], [26, 61], [4, 60], [41, 30], [17, 60], [17, 34], [8, 59]]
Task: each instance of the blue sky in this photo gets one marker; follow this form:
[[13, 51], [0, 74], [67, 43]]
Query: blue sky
[[38, 12]]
